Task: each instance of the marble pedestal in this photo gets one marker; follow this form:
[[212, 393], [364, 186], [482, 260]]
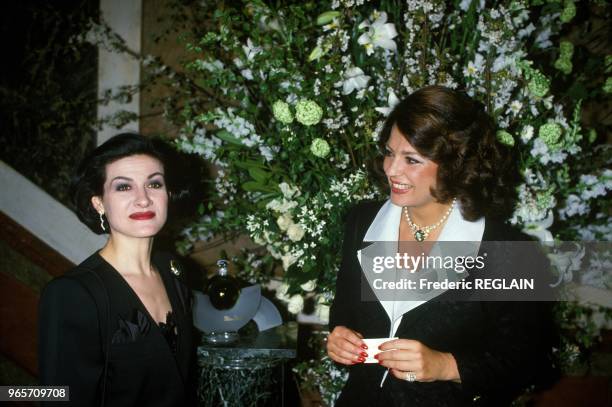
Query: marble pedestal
[[250, 372]]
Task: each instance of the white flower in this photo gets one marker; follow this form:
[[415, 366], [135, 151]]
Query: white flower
[[516, 106], [392, 101], [379, 34], [476, 67], [281, 206], [539, 229], [527, 133], [309, 285], [247, 74], [296, 304], [284, 221], [250, 50], [566, 263], [354, 79], [259, 240], [281, 292], [288, 191], [288, 259], [465, 5], [295, 232], [266, 152]]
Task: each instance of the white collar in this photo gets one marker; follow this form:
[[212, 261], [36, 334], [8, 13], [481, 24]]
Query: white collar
[[385, 226]]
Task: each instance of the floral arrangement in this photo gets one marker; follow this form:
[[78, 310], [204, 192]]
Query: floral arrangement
[[287, 103]]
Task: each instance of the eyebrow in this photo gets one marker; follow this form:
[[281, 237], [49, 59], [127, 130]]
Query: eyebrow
[[403, 152], [130, 179]]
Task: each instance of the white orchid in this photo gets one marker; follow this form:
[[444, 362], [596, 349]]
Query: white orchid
[[354, 79], [392, 101], [379, 34]]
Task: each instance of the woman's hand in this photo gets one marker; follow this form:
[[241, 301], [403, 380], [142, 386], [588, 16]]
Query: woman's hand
[[404, 356], [345, 346]]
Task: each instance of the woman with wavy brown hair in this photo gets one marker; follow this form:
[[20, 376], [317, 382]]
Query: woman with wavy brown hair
[[449, 180]]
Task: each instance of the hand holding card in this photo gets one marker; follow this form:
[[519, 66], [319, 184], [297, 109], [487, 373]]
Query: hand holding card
[[373, 344]]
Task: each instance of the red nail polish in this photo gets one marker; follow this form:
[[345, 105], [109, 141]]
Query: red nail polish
[[361, 359], [364, 346], [376, 356], [363, 354]]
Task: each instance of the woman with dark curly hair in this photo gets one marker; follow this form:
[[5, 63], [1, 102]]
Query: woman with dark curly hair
[[449, 180], [117, 329]]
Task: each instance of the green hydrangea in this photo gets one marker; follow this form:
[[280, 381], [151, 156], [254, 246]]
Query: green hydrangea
[[281, 112], [550, 133], [564, 65], [566, 49], [545, 200], [608, 85], [505, 138], [568, 12], [308, 112], [538, 84], [319, 148]]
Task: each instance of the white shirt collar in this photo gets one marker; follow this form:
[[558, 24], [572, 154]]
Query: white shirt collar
[[385, 226]]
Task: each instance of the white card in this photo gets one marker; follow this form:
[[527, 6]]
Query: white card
[[373, 344]]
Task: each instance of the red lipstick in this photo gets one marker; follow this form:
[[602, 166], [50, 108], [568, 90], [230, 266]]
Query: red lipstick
[[142, 215]]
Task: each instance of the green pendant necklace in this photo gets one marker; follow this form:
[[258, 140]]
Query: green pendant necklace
[[422, 232]]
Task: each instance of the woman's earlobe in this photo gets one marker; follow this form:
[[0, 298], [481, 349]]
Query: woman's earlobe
[[96, 202]]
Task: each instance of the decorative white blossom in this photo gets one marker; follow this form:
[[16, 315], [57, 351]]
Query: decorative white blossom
[[392, 101], [250, 50], [296, 304], [284, 221], [295, 232], [354, 79], [289, 191], [309, 285], [379, 34]]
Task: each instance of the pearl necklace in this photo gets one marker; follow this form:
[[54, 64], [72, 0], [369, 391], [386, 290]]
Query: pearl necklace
[[422, 232]]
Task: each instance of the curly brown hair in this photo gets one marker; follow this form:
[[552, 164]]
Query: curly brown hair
[[454, 131]]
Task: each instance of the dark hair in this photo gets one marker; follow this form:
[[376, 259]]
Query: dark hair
[[454, 131], [91, 174]]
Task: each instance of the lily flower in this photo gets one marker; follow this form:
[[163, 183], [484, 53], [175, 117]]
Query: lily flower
[[354, 79], [392, 101], [539, 229], [379, 34]]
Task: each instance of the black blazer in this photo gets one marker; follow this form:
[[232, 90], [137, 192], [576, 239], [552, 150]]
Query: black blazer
[[500, 347], [76, 322]]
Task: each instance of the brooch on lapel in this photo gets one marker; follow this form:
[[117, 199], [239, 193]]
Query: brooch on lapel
[[175, 268]]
